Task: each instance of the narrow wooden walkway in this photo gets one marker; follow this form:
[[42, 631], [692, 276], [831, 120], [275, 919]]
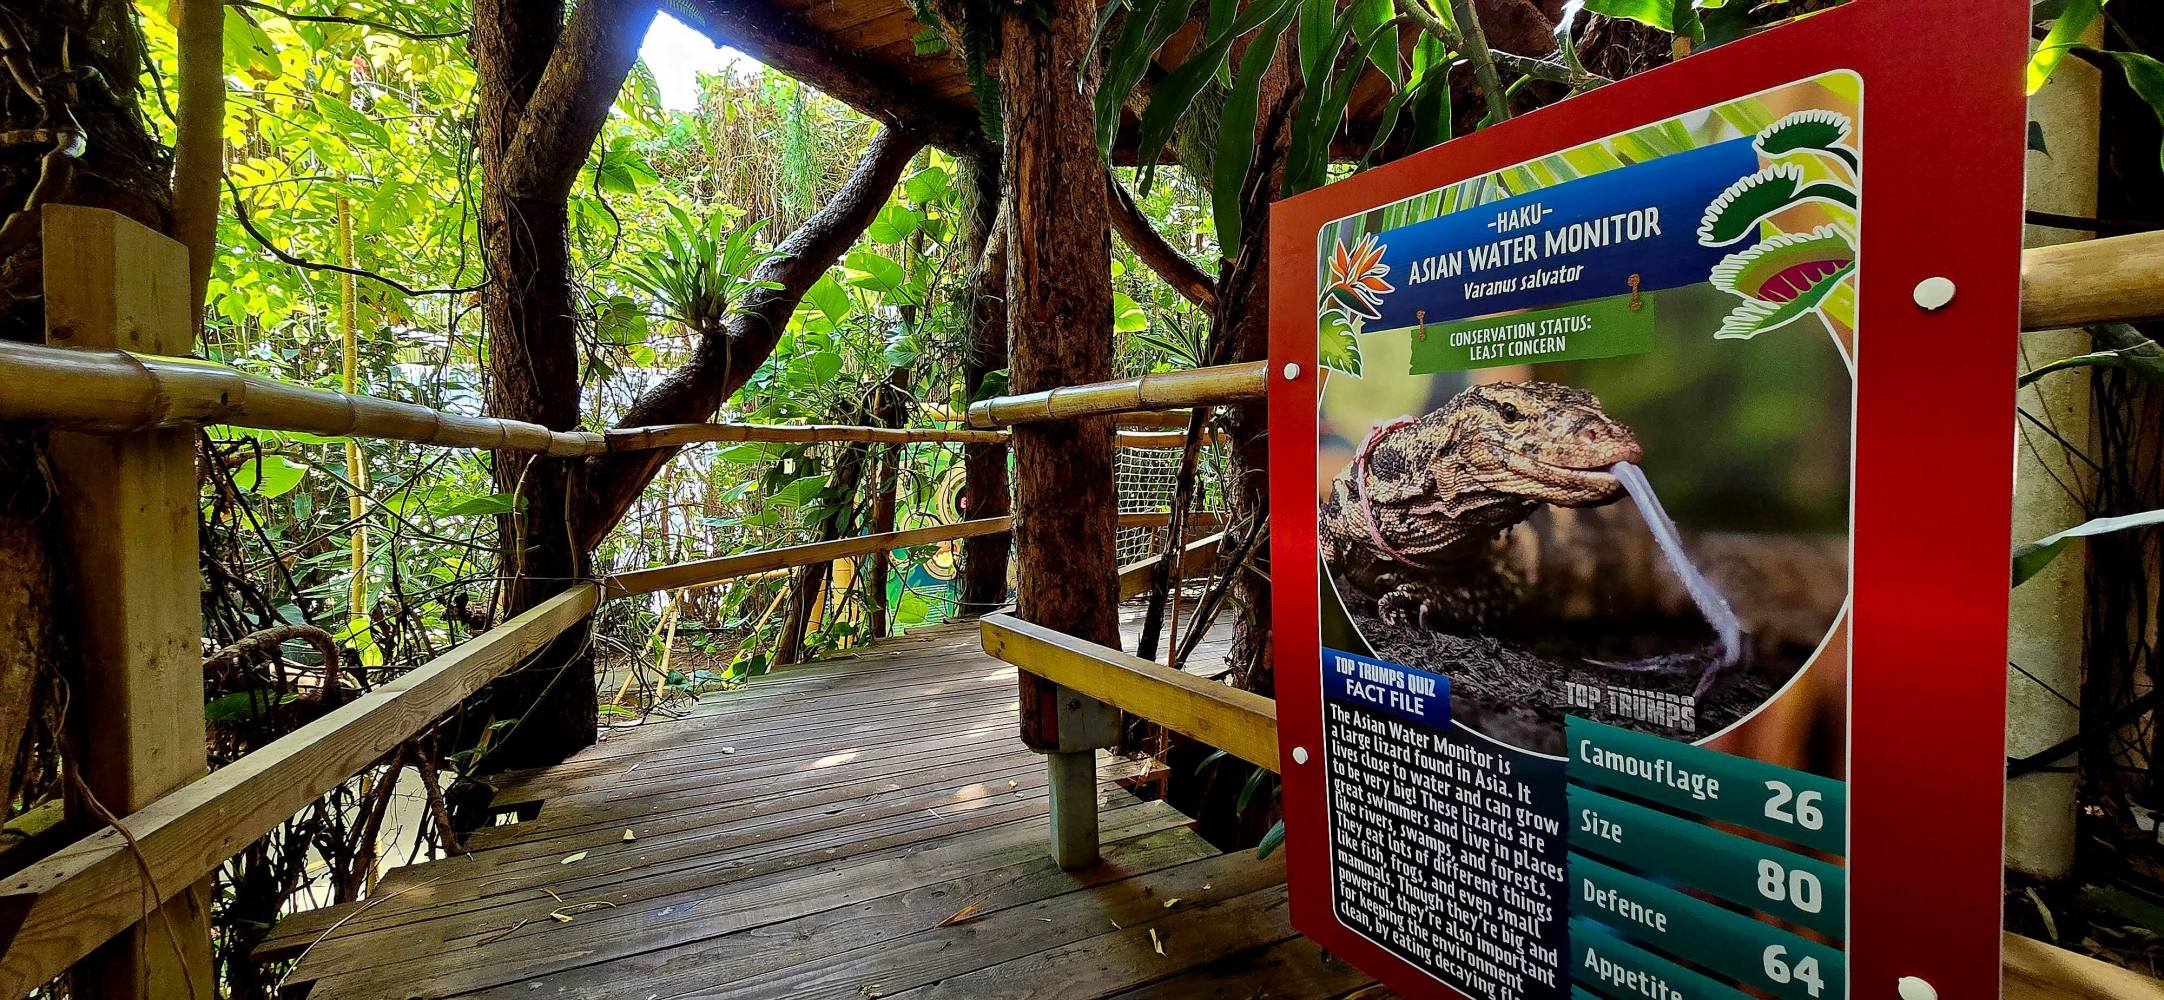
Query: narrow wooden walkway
[[868, 827]]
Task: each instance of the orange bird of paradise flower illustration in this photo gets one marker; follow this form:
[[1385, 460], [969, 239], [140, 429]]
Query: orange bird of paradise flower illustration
[[1356, 278]]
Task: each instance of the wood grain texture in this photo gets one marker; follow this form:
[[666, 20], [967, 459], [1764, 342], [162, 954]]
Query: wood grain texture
[[1241, 723], [2120, 279], [127, 509], [57, 910]]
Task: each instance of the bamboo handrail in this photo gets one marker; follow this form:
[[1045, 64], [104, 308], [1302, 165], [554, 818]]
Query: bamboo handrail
[[118, 392], [1241, 383], [708, 572], [2120, 279], [54, 912]]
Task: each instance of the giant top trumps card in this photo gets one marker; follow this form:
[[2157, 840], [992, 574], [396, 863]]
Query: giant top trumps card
[[1639, 529]]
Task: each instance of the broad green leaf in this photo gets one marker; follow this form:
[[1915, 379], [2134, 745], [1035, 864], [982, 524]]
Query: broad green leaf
[[868, 269], [2065, 35], [799, 492], [1127, 316], [2031, 559], [2146, 76], [829, 297], [273, 476], [929, 185], [1657, 13], [1176, 93], [1236, 129], [622, 322], [895, 223]]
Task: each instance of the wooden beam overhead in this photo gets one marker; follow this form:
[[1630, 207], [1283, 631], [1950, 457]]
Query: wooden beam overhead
[[878, 89]]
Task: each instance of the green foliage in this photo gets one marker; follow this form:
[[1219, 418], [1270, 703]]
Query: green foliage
[[702, 270]]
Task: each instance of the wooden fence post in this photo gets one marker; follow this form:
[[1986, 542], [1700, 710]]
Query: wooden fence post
[[128, 506], [1085, 724]]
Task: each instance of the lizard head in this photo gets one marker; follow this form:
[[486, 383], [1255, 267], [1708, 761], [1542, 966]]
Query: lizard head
[[1511, 446]]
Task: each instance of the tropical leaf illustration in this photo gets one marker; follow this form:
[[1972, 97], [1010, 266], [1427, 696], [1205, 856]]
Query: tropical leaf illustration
[[1753, 199], [1335, 346], [1813, 130]]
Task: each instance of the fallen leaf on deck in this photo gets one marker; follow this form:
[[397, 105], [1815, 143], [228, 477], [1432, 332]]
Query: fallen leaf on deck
[[580, 856], [964, 913], [563, 918], [728, 750], [1169, 903], [629, 836], [1156, 942]]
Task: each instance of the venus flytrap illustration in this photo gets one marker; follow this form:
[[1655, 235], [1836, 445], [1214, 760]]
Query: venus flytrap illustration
[[1355, 288], [1786, 276]]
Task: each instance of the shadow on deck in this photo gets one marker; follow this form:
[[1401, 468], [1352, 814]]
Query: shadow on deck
[[869, 826]]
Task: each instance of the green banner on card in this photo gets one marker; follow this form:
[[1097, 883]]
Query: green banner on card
[[1596, 328]]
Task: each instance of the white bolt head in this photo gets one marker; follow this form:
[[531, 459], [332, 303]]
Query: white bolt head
[[1299, 755], [1292, 372], [1933, 293], [1912, 988]]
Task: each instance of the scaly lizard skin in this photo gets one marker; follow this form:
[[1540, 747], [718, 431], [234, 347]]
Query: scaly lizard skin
[[1416, 524]]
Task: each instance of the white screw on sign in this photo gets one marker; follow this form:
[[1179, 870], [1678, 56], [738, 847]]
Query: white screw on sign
[[1299, 755], [1912, 988], [1292, 372], [1933, 293]]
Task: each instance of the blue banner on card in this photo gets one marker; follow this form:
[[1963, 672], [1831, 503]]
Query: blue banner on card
[[1407, 692], [1583, 239]]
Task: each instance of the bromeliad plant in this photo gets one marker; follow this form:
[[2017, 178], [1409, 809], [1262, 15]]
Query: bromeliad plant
[[1786, 276], [703, 270]]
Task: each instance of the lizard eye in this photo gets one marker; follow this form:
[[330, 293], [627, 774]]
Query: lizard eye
[[1510, 413]]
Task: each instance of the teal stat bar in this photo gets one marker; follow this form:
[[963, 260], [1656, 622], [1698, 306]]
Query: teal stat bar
[[1796, 806], [1611, 966], [1752, 952], [1761, 877]]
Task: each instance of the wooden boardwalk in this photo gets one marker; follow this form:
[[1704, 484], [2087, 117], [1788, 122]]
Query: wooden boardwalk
[[866, 827]]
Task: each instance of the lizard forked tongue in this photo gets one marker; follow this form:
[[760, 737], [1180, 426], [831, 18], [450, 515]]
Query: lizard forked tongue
[[1710, 602]]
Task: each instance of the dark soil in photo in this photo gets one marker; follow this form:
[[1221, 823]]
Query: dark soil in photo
[[1517, 690]]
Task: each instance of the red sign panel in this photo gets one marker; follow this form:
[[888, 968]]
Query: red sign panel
[[1644, 636]]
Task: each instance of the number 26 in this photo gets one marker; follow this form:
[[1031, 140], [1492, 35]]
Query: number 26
[[1806, 813]]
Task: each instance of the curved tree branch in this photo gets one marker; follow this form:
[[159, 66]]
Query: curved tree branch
[[1182, 274], [247, 222], [571, 101], [723, 362]]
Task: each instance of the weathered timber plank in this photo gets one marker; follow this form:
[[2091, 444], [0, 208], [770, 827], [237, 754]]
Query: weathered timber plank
[[1241, 723], [1027, 927], [743, 934], [1127, 957], [94, 888]]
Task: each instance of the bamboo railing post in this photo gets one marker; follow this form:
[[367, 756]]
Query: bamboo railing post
[[127, 504]]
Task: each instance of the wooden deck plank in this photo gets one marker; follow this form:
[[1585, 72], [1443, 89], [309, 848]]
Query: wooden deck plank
[[806, 833]]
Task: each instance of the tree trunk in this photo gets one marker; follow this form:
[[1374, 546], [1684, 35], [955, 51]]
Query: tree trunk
[[121, 168], [984, 466], [533, 372], [1059, 308], [811, 581]]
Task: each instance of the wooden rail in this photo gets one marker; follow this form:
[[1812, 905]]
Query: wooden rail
[[707, 572], [1242, 383], [56, 911], [111, 391], [2116, 280], [1241, 723], [1197, 556]]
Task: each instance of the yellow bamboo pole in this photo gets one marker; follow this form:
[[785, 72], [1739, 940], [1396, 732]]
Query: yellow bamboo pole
[[356, 463]]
